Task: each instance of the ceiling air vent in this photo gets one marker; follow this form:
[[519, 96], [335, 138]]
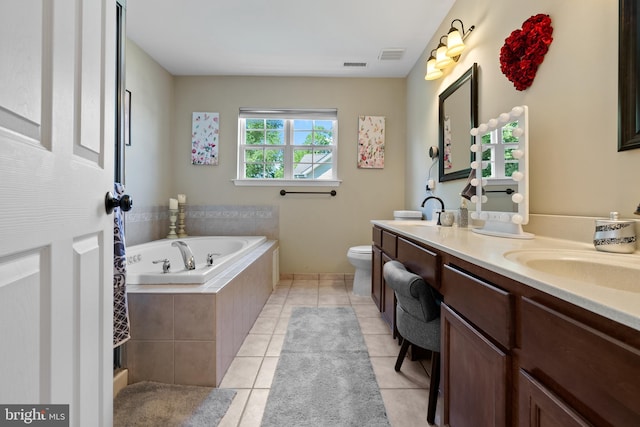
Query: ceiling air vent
[[391, 54], [355, 64]]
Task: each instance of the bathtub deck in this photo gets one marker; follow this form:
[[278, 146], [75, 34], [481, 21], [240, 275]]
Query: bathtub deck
[[189, 334]]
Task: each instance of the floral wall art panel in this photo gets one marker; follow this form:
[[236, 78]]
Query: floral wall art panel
[[204, 138], [371, 142]]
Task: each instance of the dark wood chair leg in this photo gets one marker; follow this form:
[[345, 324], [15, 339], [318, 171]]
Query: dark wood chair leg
[[403, 353], [433, 387]]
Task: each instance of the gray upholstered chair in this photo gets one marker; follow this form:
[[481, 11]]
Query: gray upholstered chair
[[417, 320]]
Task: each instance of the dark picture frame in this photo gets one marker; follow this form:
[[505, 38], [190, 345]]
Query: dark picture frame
[[628, 76], [127, 118]]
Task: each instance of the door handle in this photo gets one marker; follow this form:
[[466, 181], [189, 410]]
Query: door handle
[[125, 203]]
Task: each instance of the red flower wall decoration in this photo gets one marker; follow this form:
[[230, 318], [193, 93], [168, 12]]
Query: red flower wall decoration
[[523, 51]]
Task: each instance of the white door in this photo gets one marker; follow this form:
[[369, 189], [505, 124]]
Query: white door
[[56, 241]]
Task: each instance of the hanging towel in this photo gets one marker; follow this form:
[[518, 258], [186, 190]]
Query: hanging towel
[[120, 312]]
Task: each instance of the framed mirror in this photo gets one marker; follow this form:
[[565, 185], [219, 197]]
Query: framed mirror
[[458, 113], [501, 177], [628, 72]]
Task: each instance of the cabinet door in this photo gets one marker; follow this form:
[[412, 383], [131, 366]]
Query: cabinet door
[[475, 375], [539, 407], [388, 301], [376, 276]]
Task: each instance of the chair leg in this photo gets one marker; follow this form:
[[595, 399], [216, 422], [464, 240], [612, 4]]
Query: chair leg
[[434, 384], [403, 353]]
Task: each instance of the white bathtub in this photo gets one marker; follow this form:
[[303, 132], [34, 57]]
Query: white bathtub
[[225, 249]]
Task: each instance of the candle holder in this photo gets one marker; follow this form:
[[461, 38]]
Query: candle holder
[[181, 216], [173, 216]]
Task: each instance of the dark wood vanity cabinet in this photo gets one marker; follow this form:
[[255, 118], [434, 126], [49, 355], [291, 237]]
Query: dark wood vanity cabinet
[[477, 335], [574, 373], [513, 355], [418, 259]]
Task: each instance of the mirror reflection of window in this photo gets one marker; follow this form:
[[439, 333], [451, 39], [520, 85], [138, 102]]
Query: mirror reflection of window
[[497, 157]]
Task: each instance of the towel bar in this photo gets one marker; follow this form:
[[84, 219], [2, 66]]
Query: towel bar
[[285, 192]]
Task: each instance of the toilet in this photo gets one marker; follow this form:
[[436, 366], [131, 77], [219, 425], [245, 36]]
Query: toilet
[[360, 258]]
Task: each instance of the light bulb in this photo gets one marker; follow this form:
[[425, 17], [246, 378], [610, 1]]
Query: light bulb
[[503, 118], [474, 199], [493, 123], [455, 45], [474, 214], [517, 176], [442, 60], [474, 148], [432, 71], [485, 199], [474, 131], [517, 132], [517, 111], [482, 128], [474, 182], [474, 165], [517, 198], [517, 219], [517, 154]]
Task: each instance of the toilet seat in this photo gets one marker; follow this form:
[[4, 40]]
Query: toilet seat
[[364, 249]]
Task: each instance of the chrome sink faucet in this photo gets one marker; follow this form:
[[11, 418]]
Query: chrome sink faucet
[[187, 255], [441, 205]]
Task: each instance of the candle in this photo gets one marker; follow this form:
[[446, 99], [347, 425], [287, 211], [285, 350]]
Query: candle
[[182, 198], [173, 204]]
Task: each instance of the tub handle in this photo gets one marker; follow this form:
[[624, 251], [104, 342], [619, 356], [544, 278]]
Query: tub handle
[[166, 264], [210, 258]]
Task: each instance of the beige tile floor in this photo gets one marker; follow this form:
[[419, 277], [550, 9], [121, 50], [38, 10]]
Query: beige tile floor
[[404, 394]]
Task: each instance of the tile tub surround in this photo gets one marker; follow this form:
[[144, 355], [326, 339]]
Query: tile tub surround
[[187, 334], [148, 223]]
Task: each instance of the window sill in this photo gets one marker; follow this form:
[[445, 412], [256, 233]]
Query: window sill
[[285, 183]]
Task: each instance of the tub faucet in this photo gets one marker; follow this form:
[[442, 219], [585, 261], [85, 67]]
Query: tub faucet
[[441, 205], [187, 255]]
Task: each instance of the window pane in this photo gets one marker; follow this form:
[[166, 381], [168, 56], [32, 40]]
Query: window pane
[[322, 156], [274, 155], [274, 170], [302, 137], [254, 137], [275, 124], [507, 133], [253, 155], [254, 170], [323, 138], [255, 124], [303, 124], [510, 168], [275, 137], [323, 125]]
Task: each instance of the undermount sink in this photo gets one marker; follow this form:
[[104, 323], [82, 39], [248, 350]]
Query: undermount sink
[[613, 271]]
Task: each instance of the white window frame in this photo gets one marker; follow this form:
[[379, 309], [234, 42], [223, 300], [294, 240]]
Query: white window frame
[[288, 115]]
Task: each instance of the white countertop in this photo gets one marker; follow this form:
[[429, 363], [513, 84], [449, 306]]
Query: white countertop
[[487, 252]]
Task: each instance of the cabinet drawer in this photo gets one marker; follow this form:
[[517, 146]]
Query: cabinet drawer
[[595, 373], [420, 261], [484, 305], [389, 243], [377, 236]]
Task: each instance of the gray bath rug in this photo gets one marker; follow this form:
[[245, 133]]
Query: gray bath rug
[[324, 376], [154, 404]]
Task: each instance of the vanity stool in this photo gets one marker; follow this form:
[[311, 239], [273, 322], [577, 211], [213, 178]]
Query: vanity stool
[[417, 321]]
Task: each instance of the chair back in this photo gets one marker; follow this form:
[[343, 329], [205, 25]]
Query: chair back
[[414, 295]]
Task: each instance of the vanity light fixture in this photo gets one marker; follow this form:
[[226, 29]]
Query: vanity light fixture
[[433, 72], [449, 52]]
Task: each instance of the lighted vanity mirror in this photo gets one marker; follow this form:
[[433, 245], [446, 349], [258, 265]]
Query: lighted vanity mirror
[[500, 174]]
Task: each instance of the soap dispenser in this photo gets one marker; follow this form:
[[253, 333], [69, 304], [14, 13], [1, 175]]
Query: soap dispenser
[[463, 214], [615, 235]]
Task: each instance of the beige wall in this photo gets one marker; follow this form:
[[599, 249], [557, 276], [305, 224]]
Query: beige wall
[[149, 174], [314, 231], [575, 166]]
